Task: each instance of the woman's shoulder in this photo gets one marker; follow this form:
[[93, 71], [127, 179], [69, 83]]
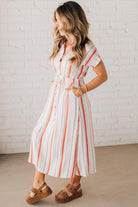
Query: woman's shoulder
[[92, 56]]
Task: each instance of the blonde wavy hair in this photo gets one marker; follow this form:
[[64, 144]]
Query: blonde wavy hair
[[76, 25]]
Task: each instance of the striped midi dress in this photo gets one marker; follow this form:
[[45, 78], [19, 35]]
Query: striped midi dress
[[62, 141]]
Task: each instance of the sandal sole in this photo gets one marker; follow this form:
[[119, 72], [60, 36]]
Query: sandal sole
[[38, 197]]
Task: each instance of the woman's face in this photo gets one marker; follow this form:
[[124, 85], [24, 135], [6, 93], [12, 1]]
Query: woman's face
[[59, 24]]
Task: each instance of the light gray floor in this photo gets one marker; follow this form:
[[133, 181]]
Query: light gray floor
[[115, 184]]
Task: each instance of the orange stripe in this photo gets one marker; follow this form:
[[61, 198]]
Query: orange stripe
[[92, 66], [90, 57], [70, 69], [63, 80], [85, 128], [78, 170], [50, 152], [75, 149], [46, 127], [32, 143], [72, 83], [81, 71], [87, 63], [64, 131], [53, 63]]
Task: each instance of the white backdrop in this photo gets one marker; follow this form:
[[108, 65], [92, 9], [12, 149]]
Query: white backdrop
[[25, 74]]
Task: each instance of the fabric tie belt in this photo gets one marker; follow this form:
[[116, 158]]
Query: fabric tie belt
[[68, 79]]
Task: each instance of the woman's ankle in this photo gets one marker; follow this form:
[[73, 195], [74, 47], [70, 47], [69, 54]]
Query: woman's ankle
[[75, 183], [38, 183], [75, 180]]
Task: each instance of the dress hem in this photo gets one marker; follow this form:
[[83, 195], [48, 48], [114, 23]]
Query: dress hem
[[60, 175]]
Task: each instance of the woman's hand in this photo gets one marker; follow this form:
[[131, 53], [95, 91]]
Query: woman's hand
[[75, 91]]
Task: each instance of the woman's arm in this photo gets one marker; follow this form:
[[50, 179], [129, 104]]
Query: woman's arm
[[101, 77]]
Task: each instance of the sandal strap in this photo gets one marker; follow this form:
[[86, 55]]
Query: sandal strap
[[35, 190], [42, 185], [72, 188], [69, 190], [64, 193]]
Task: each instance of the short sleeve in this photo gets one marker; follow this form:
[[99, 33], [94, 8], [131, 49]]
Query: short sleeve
[[93, 57]]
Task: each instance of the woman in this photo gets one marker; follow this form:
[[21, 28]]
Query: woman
[[62, 142]]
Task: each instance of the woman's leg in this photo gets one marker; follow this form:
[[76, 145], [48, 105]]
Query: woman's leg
[[39, 179], [75, 180]]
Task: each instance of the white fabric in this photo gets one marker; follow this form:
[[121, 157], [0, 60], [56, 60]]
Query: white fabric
[[62, 141]]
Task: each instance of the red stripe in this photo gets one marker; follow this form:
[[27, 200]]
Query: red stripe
[[63, 80], [70, 69], [87, 63], [81, 71], [64, 132], [90, 57], [92, 66], [78, 170], [53, 63], [72, 83], [85, 74], [85, 129], [46, 127]]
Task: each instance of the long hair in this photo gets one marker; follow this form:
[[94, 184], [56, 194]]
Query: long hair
[[76, 25]]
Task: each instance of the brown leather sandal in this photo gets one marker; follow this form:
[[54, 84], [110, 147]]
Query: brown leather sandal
[[69, 193], [39, 193]]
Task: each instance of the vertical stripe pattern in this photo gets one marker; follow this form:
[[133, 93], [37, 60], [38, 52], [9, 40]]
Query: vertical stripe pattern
[[62, 141]]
